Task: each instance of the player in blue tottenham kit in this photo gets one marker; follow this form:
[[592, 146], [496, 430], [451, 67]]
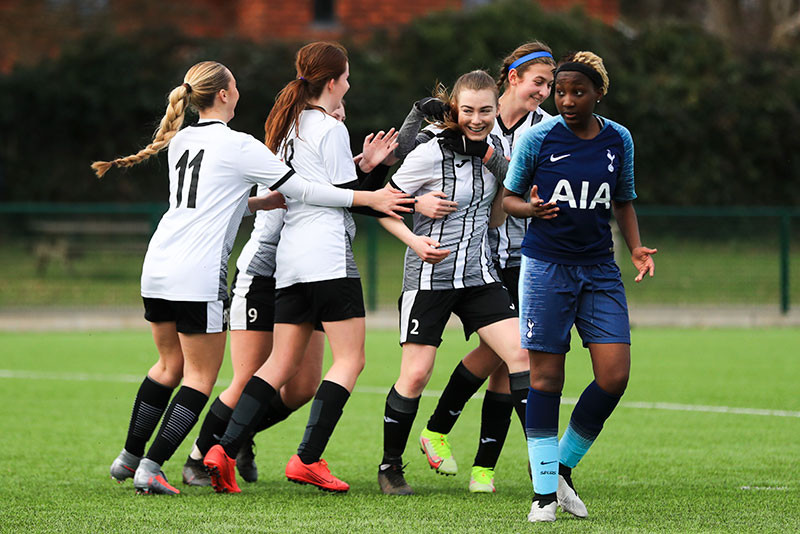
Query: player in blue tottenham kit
[[576, 166]]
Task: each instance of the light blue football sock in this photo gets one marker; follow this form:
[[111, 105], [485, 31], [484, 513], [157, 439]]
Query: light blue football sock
[[572, 447], [543, 456], [541, 430], [590, 413]]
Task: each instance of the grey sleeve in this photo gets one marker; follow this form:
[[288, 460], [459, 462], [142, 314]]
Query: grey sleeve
[[410, 135], [498, 165]]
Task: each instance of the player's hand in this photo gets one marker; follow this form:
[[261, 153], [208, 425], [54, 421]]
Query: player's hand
[[642, 258], [390, 201], [435, 205], [427, 249], [461, 144], [432, 108], [541, 209], [377, 148], [270, 201]]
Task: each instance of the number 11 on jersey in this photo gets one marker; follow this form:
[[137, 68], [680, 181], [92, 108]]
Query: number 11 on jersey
[[191, 200]]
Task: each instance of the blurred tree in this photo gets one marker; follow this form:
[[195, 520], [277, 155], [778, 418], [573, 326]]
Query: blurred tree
[[741, 24], [706, 130]]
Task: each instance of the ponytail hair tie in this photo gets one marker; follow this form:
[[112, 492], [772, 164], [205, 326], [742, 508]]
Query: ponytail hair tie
[[301, 79], [188, 87]]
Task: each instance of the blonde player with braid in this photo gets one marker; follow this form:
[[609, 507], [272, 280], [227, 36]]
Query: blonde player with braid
[[577, 168], [184, 277]]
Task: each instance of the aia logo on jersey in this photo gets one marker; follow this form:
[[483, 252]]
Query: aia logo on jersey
[[563, 192]]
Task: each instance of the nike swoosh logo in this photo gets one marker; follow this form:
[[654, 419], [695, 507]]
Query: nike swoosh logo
[[487, 440], [319, 478], [461, 163], [454, 413], [545, 463], [388, 420], [555, 158]]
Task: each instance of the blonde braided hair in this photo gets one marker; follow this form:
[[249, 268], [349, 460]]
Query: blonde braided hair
[[201, 84], [594, 61]]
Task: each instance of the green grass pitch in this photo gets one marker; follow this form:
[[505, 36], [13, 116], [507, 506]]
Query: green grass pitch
[[720, 453]]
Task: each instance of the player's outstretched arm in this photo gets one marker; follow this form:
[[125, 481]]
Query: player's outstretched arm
[[641, 256], [388, 200], [425, 247]]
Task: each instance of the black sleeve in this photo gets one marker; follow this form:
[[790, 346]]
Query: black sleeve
[[371, 181]]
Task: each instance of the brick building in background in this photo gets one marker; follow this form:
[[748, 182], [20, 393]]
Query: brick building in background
[[260, 20], [31, 30]]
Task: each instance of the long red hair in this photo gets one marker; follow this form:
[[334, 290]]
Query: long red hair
[[316, 64]]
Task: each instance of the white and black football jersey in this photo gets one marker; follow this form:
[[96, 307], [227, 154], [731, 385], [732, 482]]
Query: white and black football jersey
[[258, 254], [316, 242], [506, 240], [464, 179], [211, 171]]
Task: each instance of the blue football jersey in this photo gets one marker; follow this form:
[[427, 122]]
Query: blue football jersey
[[582, 176]]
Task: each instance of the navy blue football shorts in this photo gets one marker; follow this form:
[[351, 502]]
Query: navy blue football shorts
[[553, 297]]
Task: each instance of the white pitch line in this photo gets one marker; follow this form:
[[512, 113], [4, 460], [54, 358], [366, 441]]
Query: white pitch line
[[78, 377], [135, 379]]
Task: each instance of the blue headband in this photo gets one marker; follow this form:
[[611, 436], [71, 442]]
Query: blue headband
[[525, 59]]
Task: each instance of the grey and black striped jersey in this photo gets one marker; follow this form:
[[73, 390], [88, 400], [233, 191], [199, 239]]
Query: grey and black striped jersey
[[505, 241], [258, 254], [464, 179]]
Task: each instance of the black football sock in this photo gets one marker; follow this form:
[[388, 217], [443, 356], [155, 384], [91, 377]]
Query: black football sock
[[326, 409], [151, 401], [495, 420], [461, 386], [182, 414], [214, 425], [398, 418], [252, 406], [276, 413], [519, 383]]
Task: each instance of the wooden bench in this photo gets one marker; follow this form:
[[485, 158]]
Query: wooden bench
[[61, 241]]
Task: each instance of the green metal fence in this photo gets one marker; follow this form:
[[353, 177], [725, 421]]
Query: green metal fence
[[90, 255]]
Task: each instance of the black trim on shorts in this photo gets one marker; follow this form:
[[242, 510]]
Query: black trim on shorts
[[190, 317]]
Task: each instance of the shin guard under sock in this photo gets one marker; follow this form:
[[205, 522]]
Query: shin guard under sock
[[326, 409], [251, 407]]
